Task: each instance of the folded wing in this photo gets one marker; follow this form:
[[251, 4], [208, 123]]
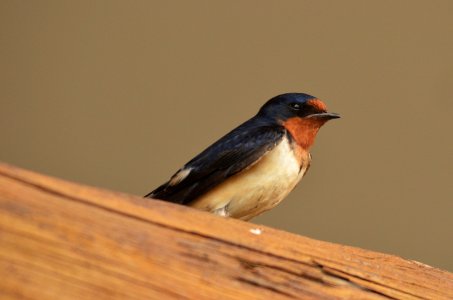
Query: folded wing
[[238, 150]]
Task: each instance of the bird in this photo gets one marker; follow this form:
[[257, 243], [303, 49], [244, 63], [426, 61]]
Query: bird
[[255, 166]]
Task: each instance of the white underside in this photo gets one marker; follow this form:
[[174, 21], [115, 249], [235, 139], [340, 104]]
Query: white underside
[[258, 188]]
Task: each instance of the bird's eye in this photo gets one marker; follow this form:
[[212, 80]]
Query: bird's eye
[[295, 106]]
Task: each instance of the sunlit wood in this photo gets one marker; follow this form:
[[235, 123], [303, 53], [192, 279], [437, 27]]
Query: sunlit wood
[[61, 240]]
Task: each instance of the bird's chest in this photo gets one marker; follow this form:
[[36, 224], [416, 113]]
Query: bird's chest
[[261, 186]]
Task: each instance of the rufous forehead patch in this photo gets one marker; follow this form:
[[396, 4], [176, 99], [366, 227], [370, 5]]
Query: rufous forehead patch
[[318, 104]]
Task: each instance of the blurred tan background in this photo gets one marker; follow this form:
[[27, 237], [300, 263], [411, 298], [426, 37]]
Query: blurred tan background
[[121, 94]]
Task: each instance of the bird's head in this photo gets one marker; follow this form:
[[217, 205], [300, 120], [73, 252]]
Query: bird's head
[[296, 105], [301, 114]]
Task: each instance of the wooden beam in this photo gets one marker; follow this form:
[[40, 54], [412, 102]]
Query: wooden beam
[[61, 240]]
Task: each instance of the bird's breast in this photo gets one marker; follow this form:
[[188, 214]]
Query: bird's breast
[[259, 187]]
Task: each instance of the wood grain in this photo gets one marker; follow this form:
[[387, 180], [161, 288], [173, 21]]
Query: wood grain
[[61, 240]]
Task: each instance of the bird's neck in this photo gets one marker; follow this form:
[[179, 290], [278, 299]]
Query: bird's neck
[[303, 131]]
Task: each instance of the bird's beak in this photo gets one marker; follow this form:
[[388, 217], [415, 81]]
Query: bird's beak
[[324, 115]]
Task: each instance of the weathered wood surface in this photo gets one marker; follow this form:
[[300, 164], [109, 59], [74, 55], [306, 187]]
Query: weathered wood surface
[[61, 240]]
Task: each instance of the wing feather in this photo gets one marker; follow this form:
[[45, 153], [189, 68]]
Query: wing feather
[[236, 151]]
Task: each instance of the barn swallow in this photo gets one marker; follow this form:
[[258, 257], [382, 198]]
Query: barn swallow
[[256, 165]]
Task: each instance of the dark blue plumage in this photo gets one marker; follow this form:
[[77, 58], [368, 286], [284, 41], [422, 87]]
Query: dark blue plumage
[[226, 157]]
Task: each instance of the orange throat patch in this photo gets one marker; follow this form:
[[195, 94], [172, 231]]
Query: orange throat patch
[[303, 130]]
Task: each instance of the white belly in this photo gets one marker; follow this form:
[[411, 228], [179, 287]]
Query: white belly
[[258, 188]]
